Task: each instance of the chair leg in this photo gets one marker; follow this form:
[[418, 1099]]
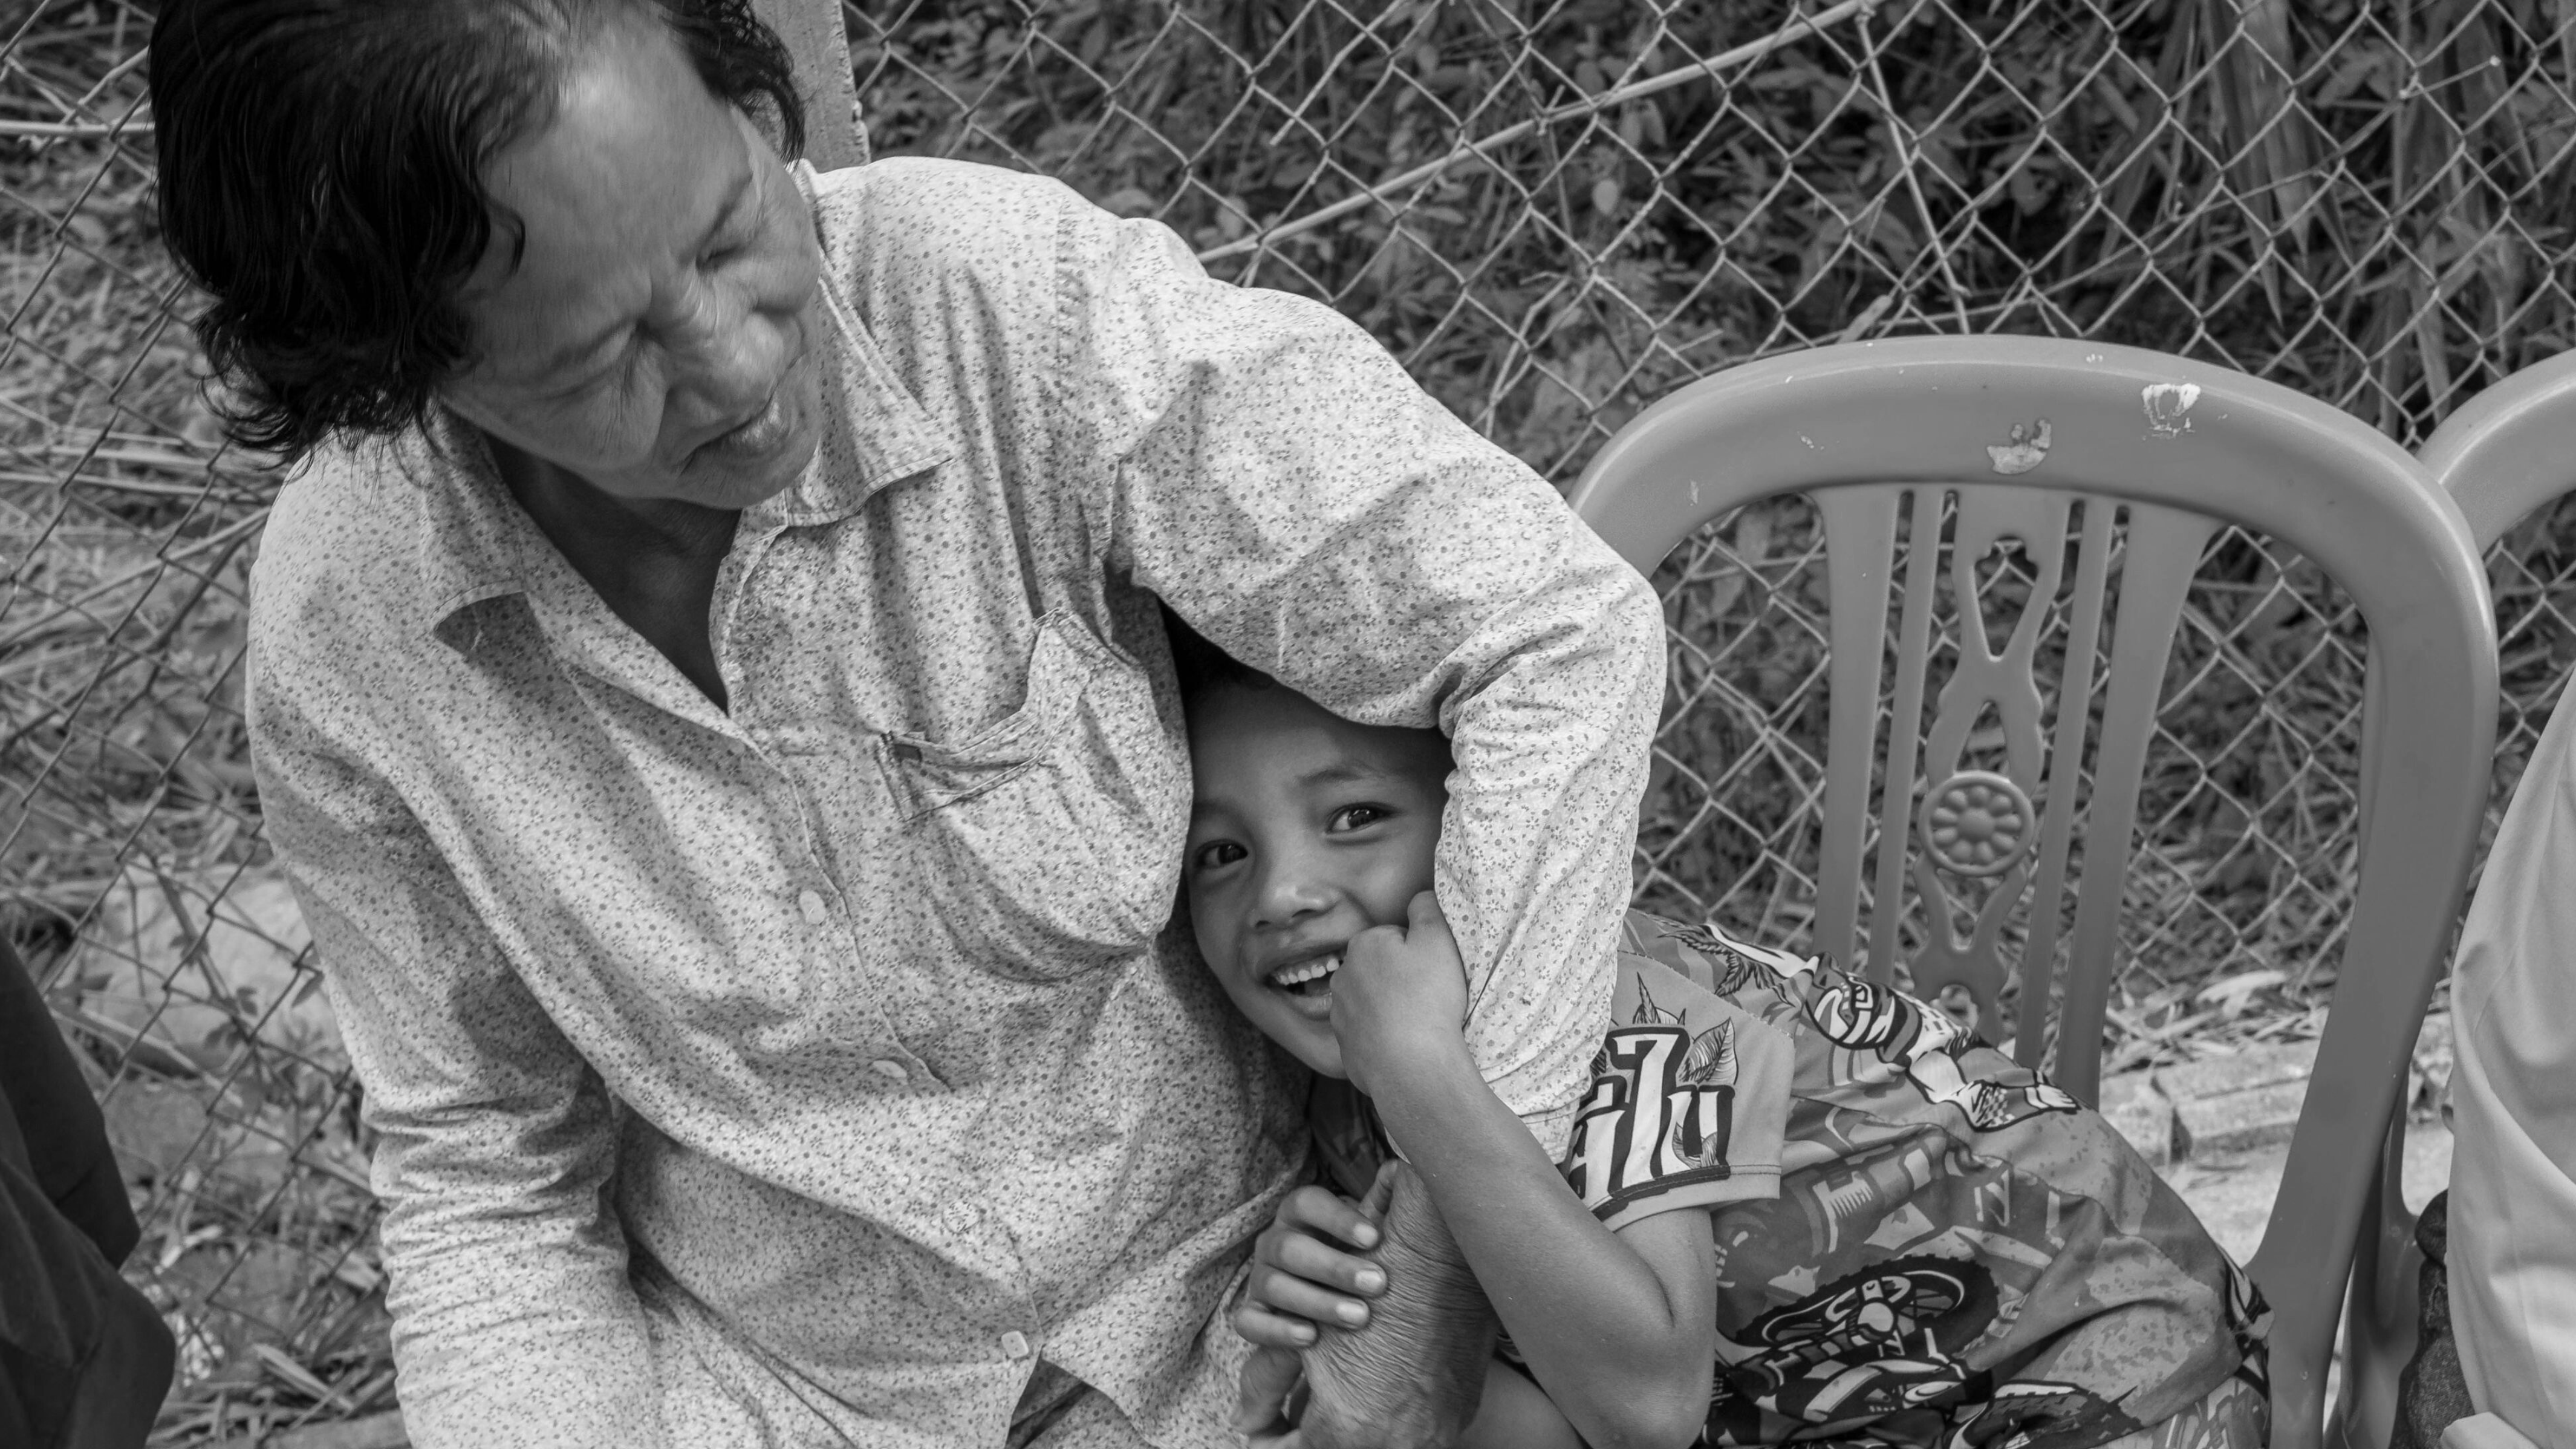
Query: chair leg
[[2381, 1307]]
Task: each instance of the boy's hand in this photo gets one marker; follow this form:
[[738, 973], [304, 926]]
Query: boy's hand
[[1401, 993], [1300, 1278]]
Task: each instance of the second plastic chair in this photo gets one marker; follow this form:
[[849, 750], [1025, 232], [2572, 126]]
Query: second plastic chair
[[2501, 457], [2093, 460]]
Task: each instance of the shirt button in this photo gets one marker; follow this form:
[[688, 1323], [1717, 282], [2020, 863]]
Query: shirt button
[[957, 1217], [811, 903], [1016, 1344], [889, 1069]]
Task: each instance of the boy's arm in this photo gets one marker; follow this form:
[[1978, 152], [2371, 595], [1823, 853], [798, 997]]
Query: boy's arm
[[1618, 1328], [1515, 1414]]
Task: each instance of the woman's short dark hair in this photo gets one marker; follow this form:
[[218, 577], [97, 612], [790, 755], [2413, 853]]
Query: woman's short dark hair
[[322, 176]]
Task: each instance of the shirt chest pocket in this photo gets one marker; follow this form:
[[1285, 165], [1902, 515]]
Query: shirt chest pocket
[[1049, 842]]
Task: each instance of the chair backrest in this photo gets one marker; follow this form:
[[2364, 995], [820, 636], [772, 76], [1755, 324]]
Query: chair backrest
[[814, 33], [2053, 445]]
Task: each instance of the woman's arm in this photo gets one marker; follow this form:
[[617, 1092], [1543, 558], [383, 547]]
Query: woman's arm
[[1262, 465], [514, 1325], [1618, 1328]]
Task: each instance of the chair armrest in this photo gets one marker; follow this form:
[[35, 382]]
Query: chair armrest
[[2484, 1431]]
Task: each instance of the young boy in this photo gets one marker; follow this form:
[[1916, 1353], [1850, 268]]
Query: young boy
[[1870, 1228]]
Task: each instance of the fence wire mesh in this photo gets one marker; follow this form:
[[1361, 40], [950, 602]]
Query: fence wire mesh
[[1553, 211]]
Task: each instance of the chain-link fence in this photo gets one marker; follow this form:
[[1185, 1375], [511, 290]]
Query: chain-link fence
[[1553, 213], [1557, 212]]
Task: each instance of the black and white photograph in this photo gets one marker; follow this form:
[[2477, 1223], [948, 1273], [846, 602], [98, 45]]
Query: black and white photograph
[[1287, 724]]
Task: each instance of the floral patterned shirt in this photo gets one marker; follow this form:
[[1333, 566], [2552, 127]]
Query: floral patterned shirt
[[820, 1068]]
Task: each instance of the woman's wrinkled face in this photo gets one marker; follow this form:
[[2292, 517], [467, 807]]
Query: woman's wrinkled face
[[1305, 830], [649, 314]]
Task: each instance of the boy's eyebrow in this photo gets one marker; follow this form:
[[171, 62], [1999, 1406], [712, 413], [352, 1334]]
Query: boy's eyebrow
[[1346, 772]]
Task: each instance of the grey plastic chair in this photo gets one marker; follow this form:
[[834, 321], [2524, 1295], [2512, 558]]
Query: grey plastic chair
[[814, 33], [2034, 438], [2502, 457]]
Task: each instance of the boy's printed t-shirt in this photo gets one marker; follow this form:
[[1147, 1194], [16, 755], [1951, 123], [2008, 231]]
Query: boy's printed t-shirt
[[1920, 1244], [1689, 1119]]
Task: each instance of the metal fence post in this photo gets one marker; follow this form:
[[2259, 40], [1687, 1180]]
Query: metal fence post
[[815, 35]]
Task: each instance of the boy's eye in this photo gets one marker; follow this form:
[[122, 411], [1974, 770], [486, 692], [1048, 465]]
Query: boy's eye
[[1214, 854], [1355, 817]]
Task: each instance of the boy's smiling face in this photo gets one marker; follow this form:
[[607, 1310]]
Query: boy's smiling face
[[1305, 830]]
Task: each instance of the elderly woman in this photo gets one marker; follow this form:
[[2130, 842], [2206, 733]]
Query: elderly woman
[[709, 692]]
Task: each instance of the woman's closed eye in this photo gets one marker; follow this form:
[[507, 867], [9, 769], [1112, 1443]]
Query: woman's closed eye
[[614, 368], [741, 227], [742, 230], [716, 256]]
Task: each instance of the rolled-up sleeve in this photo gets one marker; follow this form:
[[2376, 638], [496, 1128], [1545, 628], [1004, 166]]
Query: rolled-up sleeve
[[2512, 1236], [515, 1324], [1269, 470]]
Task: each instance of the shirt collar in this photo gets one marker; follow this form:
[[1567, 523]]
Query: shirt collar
[[875, 434], [469, 525]]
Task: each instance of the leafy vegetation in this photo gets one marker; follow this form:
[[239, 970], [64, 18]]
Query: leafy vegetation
[[2367, 202]]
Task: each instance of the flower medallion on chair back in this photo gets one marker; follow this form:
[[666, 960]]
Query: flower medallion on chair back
[[1979, 666]]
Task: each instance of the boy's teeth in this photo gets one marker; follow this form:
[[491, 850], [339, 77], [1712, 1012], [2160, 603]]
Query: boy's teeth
[[1306, 970]]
